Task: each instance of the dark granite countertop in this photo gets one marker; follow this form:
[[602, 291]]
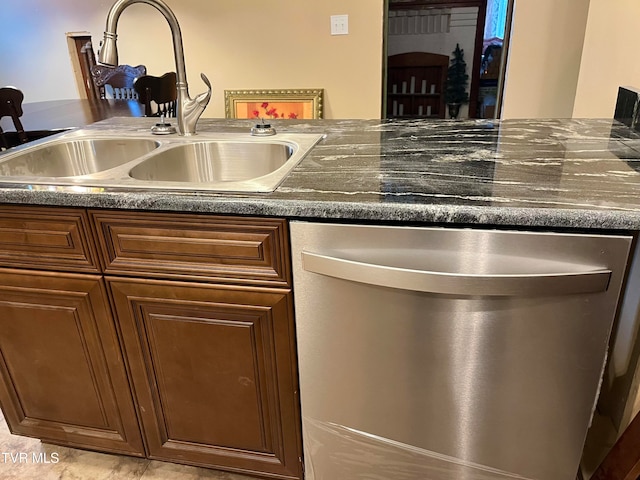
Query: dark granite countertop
[[581, 174]]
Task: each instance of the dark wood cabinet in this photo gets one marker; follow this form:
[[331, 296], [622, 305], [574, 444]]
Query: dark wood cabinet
[[213, 370], [43, 238], [62, 378], [179, 346], [415, 85], [249, 250], [204, 307]]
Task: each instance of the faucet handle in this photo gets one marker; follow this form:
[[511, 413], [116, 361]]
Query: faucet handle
[[205, 80], [190, 109], [203, 98]]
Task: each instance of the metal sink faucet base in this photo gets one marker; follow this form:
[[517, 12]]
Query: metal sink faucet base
[[188, 110]]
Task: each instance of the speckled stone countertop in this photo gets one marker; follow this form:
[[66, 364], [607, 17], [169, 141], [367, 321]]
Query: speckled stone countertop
[[581, 174]]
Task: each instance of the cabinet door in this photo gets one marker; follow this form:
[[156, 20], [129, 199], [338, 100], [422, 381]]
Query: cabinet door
[[62, 377], [214, 374]]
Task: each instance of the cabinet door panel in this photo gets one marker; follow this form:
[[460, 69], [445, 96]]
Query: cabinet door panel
[[62, 378], [217, 373], [203, 361]]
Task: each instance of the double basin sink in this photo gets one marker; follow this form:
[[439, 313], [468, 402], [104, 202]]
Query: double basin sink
[[224, 162]]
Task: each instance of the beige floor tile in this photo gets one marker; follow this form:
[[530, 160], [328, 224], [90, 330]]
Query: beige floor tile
[[23, 458], [72, 464], [170, 471]]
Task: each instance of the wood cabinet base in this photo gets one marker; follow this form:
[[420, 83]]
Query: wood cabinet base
[[171, 337]]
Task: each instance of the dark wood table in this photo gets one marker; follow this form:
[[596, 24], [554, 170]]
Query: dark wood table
[[62, 114]]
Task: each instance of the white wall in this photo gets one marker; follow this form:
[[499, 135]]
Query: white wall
[[544, 58], [239, 44], [286, 44], [463, 31], [610, 58], [33, 49]]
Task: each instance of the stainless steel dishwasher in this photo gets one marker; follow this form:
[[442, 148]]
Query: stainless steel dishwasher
[[447, 354]]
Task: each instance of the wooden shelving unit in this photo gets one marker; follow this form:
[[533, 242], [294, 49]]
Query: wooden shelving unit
[[415, 85]]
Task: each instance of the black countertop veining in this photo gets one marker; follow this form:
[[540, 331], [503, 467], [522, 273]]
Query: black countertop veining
[[540, 173]]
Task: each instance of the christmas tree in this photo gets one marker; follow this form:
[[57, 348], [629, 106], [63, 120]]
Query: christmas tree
[[457, 79]]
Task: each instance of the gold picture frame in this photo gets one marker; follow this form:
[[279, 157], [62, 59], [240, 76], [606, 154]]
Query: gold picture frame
[[269, 104]]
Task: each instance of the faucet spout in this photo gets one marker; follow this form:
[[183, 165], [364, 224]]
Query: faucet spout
[[188, 110]]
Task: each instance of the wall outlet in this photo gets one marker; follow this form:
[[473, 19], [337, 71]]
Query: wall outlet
[[339, 24]]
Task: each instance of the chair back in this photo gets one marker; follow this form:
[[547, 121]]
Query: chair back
[[11, 106], [158, 94], [116, 83]]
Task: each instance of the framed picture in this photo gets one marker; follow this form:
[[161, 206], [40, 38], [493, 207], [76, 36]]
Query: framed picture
[[270, 104]]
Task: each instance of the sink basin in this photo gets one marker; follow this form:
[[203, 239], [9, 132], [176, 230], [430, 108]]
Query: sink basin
[[68, 158], [210, 162], [206, 162]]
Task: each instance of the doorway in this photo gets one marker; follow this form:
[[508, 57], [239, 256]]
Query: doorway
[[82, 59], [420, 39]]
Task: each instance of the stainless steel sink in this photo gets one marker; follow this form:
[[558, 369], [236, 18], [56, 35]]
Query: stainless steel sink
[[215, 162], [69, 158], [207, 162]]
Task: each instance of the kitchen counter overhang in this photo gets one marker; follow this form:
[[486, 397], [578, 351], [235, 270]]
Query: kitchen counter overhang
[[532, 173]]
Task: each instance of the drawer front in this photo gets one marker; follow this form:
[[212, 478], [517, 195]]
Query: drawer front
[[46, 239], [188, 246]]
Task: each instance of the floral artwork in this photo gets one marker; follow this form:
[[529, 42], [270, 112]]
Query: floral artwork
[[272, 112], [274, 104]]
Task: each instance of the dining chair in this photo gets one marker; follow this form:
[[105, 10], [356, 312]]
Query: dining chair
[[158, 94], [11, 106], [116, 83]]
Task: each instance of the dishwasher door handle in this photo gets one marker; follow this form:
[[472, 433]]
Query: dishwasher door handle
[[592, 280]]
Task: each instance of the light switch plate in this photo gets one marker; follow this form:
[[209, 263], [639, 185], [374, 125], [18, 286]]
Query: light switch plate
[[339, 24]]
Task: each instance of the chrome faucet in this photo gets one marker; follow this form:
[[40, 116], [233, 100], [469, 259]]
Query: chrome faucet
[[188, 110]]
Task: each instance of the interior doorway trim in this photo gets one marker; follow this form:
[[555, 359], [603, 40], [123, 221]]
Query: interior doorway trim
[[477, 57]]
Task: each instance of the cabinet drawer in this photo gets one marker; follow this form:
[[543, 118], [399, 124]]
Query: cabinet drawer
[[188, 246], [46, 238]]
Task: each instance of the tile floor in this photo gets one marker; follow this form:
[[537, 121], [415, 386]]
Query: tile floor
[[17, 463]]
